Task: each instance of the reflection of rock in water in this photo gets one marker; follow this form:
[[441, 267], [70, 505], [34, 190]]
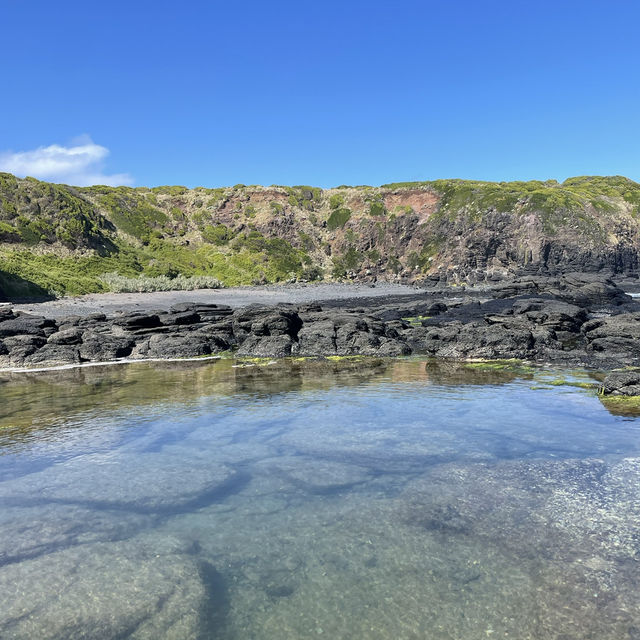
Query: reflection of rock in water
[[67, 393], [279, 376], [460, 373], [624, 406]]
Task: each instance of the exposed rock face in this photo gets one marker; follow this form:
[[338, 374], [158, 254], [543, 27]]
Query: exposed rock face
[[444, 230], [578, 319]]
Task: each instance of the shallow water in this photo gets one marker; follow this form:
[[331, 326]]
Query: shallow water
[[301, 499]]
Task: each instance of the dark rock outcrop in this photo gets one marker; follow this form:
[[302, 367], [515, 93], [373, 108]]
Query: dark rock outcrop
[[578, 319]]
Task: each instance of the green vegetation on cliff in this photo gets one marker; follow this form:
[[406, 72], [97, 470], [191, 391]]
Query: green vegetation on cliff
[[65, 239]]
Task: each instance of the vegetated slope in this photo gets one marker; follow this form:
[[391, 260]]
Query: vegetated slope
[[62, 238]]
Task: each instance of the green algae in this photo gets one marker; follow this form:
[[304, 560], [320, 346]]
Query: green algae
[[416, 320], [514, 365], [621, 405]]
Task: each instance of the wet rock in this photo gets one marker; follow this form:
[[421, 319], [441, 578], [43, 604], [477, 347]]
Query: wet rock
[[616, 336], [67, 322], [553, 314], [137, 320], [544, 318], [21, 346], [345, 334], [266, 321], [201, 308], [6, 312], [472, 340], [590, 290], [54, 354], [397, 312]]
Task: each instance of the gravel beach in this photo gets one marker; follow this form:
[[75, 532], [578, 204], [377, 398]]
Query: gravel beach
[[234, 297]]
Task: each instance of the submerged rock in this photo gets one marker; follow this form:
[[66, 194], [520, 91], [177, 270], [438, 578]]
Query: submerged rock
[[318, 476], [149, 483], [108, 590]]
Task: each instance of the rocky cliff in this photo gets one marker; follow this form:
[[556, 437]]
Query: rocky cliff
[[62, 238]]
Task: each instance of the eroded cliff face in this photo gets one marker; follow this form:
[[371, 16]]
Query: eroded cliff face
[[448, 229]]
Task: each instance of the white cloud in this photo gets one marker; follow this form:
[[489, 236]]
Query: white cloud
[[80, 164]]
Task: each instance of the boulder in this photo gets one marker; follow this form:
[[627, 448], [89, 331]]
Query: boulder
[[54, 354], [616, 336], [25, 325], [66, 336], [104, 346], [266, 321], [20, 347], [622, 383], [178, 346], [261, 346]]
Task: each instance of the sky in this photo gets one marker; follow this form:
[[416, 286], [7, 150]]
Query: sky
[[322, 93]]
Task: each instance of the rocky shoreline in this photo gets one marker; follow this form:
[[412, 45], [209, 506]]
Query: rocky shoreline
[[574, 320]]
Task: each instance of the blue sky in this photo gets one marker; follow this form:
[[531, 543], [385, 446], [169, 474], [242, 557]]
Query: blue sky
[[324, 93]]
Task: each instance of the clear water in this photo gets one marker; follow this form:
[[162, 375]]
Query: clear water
[[357, 499]]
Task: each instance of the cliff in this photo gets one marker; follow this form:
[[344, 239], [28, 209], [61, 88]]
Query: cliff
[[64, 239]]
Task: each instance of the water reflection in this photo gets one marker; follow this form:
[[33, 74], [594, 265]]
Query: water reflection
[[351, 499]]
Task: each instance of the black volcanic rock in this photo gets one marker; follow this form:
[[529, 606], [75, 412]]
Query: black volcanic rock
[[580, 319], [622, 383]]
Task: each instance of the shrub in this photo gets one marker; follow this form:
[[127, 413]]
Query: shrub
[[8, 233], [144, 284], [276, 207], [219, 234], [338, 218], [336, 200], [377, 208]]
